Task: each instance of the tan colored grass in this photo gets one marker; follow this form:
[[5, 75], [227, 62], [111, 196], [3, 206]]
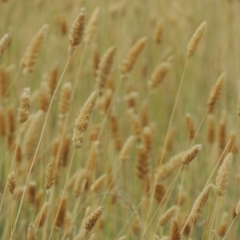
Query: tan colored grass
[[98, 184], [142, 164], [29, 58], [191, 154], [61, 213], [23, 112], [200, 203], [125, 151], [31, 192], [88, 224], [222, 176], [159, 192], [3, 83], [32, 136], [83, 119], [52, 78], [10, 120], [223, 226], [193, 43], [44, 96], [4, 42], [115, 132], [63, 26], [168, 168], [65, 100], [104, 69], [131, 57], [158, 34], [190, 127], [211, 129], [77, 30], [50, 175], [91, 26], [135, 124], [168, 215], [2, 123], [215, 93], [31, 235], [158, 75], [175, 232], [222, 132], [41, 217], [11, 182]]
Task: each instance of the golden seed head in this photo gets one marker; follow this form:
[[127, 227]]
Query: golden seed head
[[29, 58], [83, 119], [11, 182], [65, 100], [237, 209], [50, 175], [222, 176], [31, 232], [92, 219], [104, 69], [200, 203], [129, 61], [158, 75], [164, 219], [191, 154], [91, 26], [77, 30], [124, 154], [175, 232], [4, 43], [216, 92], [195, 40]]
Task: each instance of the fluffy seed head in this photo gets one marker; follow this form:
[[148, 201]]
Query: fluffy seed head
[[88, 223], [200, 203], [216, 92], [211, 129], [50, 175], [92, 219], [98, 184], [30, 56], [41, 217], [129, 61], [91, 26], [32, 135], [191, 154], [222, 176], [174, 232], [44, 96], [124, 154], [11, 182], [31, 235], [52, 78], [61, 213], [168, 215], [77, 30], [4, 43], [237, 209], [158, 32], [65, 100], [104, 69], [192, 45], [83, 119], [158, 75]]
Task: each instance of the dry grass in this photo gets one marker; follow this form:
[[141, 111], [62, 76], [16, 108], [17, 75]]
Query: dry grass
[[118, 126]]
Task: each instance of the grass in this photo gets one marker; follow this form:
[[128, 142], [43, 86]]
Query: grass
[[128, 110]]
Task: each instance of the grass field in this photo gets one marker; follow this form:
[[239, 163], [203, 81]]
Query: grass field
[[119, 119]]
